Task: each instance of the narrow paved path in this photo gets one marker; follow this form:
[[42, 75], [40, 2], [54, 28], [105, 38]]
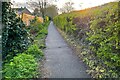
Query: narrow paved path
[[61, 62]]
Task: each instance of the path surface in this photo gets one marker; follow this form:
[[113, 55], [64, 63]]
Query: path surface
[[61, 62]]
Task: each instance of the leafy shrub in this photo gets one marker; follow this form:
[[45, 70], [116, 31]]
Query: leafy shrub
[[43, 31], [37, 28], [14, 35], [35, 51], [105, 43], [98, 29], [40, 34], [65, 23], [21, 66]]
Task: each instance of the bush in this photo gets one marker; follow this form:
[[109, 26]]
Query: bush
[[104, 37], [21, 66], [98, 29], [40, 34], [14, 35], [38, 29], [43, 31], [35, 51]]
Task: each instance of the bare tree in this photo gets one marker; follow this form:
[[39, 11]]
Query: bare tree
[[67, 7], [36, 12], [38, 4], [81, 5]]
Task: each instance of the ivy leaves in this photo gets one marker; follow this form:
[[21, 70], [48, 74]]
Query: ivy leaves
[[15, 36]]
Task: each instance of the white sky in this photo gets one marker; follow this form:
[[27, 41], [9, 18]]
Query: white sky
[[77, 3], [83, 3]]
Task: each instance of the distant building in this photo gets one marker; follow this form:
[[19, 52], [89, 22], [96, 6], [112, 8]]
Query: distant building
[[21, 10], [26, 15]]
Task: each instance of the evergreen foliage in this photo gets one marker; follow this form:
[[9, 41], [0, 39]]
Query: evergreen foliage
[[14, 35], [98, 32]]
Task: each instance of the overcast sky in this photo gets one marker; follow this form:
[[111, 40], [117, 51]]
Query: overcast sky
[[84, 3], [78, 4]]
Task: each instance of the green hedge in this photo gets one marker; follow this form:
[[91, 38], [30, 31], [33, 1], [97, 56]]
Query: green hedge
[[21, 54], [98, 32], [15, 37]]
